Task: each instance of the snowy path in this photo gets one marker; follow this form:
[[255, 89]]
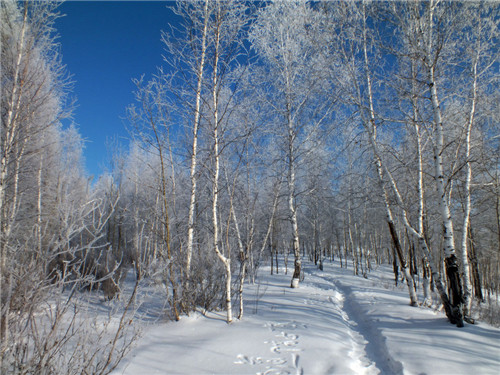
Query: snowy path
[[369, 350], [335, 323]]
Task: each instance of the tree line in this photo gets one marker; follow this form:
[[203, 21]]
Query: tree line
[[358, 130]]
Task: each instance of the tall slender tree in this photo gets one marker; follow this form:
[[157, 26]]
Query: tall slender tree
[[281, 35]]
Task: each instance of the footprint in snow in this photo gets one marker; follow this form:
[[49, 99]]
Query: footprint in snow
[[244, 360], [289, 336], [274, 371], [276, 361], [273, 326]]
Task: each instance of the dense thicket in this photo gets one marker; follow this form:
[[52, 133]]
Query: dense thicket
[[360, 131], [53, 226]]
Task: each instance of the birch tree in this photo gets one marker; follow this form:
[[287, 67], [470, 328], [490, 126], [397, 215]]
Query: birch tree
[[280, 36], [187, 55], [225, 31], [430, 56], [479, 59], [435, 32], [51, 227], [357, 52], [153, 114], [33, 86]]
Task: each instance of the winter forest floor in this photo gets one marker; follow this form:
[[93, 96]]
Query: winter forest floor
[[334, 323]]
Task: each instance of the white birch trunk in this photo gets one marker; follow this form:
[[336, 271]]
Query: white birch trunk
[[392, 228], [241, 249], [452, 271], [293, 218], [194, 151], [378, 162], [240, 290], [11, 127], [420, 190], [420, 184], [467, 208], [448, 236], [226, 260], [243, 259], [450, 312], [291, 185]]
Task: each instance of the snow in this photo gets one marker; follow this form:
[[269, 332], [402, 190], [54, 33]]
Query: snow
[[334, 323]]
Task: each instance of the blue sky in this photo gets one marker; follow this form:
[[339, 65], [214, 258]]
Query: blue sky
[[104, 45]]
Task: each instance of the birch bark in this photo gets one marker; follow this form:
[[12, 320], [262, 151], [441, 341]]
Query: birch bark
[[452, 269], [467, 208], [225, 259], [194, 150], [10, 129], [420, 191], [291, 200], [370, 123], [287, 53]]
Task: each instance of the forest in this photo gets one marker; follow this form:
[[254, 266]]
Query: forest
[[363, 132]]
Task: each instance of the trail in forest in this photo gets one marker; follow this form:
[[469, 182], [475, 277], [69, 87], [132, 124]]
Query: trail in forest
[[369, 349], [334, 323], [328, 301]]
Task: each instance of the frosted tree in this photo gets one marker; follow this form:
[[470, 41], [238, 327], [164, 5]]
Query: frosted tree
[[281, 37], [51, 226], [481, 54], [225, 31], [353, 45], [187, 55], [33, 84], [151, 120], [439, 37]]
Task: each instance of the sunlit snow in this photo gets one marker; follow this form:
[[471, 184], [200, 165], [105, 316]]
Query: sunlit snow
[[334, 323]]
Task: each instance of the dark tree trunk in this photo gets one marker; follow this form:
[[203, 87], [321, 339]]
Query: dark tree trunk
[[272, 259], [276, 255], [395, 266], [476, 279], [455, 291]]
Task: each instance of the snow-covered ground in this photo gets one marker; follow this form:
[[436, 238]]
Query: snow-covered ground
[[334, 323]]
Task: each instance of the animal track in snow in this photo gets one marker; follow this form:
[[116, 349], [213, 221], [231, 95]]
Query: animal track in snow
[[275, 366], [273, 371], [244, 360], [310, 302], [285, 344], [288, 336], [274, 326]]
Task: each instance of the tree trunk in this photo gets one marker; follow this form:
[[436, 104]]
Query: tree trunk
[[478, 293], [243, 255], [371, 126], [467, 208], [243, 267], [295, 228], [194, 151], [426, 275], [451, 265], [452, 270], [10, 127], [226, 260], [402, 262]]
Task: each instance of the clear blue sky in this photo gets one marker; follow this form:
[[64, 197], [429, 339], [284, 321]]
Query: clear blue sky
[[104, 45]]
